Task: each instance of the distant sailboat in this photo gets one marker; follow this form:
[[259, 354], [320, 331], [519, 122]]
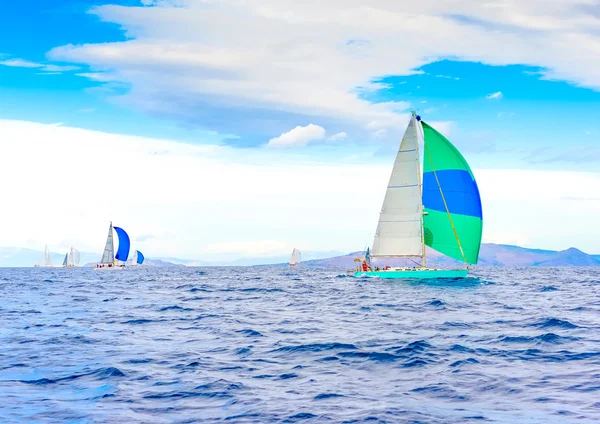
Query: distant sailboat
[[137, 258], [71, 258], [109, 259], [46, 261], [296, 258], [439, 207]]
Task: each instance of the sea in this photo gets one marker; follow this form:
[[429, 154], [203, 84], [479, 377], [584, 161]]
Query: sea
[[304, 345]]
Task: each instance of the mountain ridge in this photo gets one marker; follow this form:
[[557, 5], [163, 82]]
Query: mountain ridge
[[491, 254]]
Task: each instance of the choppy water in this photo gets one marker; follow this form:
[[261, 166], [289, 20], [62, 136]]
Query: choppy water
[[279, 345]]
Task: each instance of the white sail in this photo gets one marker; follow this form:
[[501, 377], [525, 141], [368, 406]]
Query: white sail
[[75, 257], [134, 258], [296, 257], [47, 256], [399, 231], [43, 260], [108, 257]]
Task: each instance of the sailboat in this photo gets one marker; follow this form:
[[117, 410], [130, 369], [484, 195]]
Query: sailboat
[[439, 207], [46, 261], [71, 258], [296, 257], [137, 258], [109, 259]]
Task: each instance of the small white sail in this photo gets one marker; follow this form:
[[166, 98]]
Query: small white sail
[[43, 260], [296, 257], [47, 257], [400, 222], [108, 257], [75, 257], [134, 258]]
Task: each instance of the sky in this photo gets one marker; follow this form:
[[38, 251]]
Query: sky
[[220, 129]]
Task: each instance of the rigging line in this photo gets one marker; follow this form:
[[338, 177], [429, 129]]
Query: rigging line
[[415, 262], [446, 206]]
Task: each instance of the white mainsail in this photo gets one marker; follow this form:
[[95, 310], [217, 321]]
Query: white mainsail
[[47, 257], [399, 231], [75, 257], [134, 258], [43, 260], [108, 257], [296, 257]]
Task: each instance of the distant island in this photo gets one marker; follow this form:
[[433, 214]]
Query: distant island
[[490, 255]]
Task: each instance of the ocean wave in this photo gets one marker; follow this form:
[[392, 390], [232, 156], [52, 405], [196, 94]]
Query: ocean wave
[[263, 344], [553, 323]]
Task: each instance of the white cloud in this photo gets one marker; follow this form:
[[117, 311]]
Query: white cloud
[[299, 136], [294, 58], [191, 198], [19, 63], [338, 136], [58, 68], [201, 202], [97, 76], [379, 133], [50, 69], [495, 96]]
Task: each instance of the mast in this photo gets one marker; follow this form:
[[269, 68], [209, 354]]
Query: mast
[[417, 120]]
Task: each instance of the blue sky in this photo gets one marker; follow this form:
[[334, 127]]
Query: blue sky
[[294, 83], [29, 30]]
